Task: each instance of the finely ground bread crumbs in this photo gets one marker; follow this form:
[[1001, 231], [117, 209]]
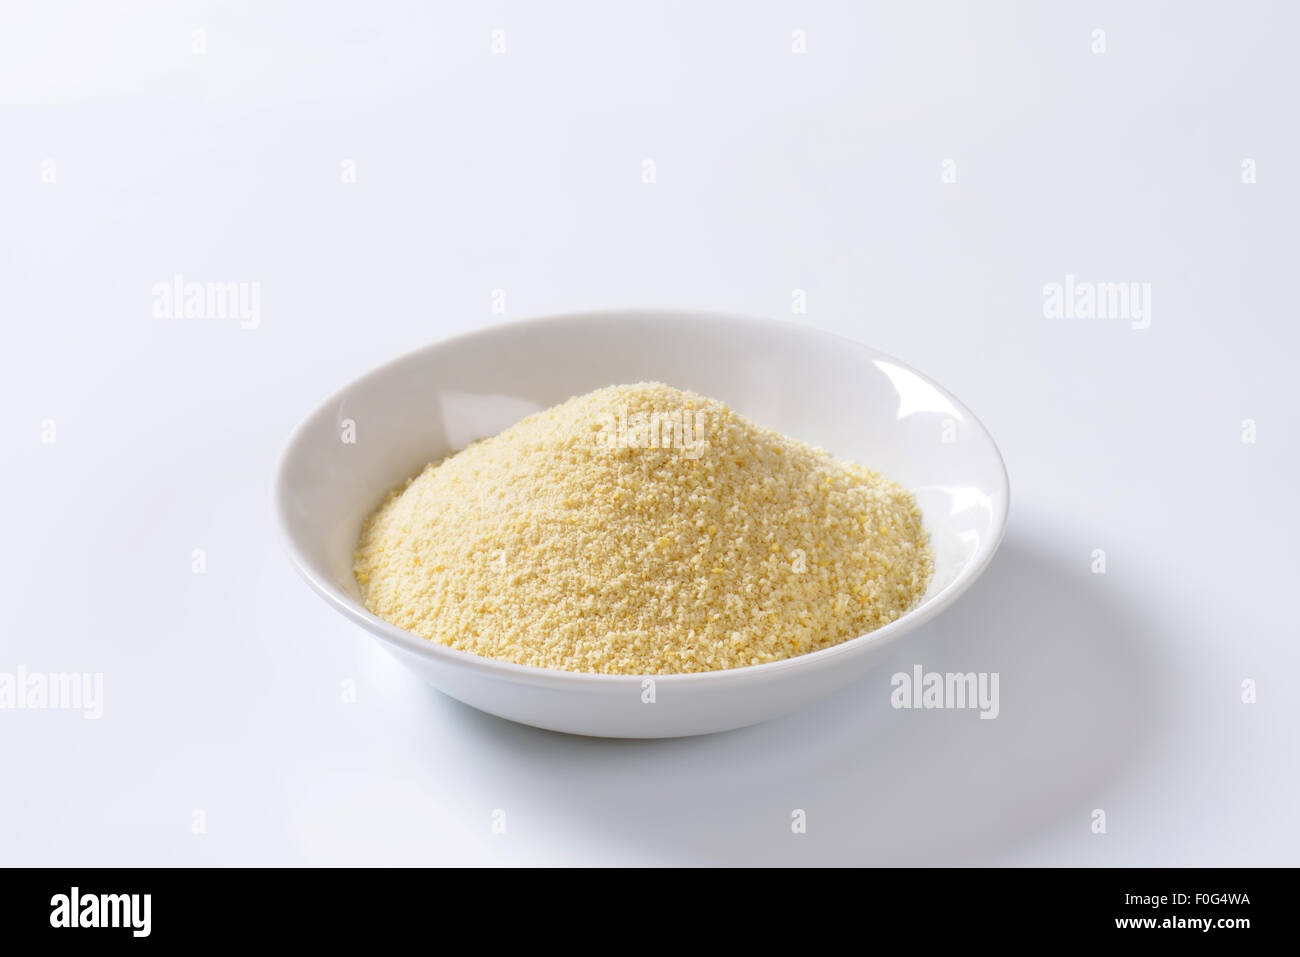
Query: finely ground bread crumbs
[[567, 542]]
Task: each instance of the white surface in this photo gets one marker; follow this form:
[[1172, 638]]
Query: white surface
[[775, 171], [836, 394]]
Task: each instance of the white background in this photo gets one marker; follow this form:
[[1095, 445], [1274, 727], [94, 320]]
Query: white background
[[776, 171]]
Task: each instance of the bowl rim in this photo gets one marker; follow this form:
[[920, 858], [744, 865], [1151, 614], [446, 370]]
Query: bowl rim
[[534, 675]]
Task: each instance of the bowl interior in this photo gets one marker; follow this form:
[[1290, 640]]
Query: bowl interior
[[847, 398]]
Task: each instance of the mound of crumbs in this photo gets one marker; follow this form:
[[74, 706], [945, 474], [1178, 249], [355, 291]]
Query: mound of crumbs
[[645, 530]]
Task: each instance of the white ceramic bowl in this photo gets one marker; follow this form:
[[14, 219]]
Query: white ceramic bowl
[[811, 385]]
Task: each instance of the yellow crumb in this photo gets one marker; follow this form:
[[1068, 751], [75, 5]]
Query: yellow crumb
[[611, 534]]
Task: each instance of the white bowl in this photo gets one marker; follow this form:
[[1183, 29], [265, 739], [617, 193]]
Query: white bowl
[[851, 400]]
